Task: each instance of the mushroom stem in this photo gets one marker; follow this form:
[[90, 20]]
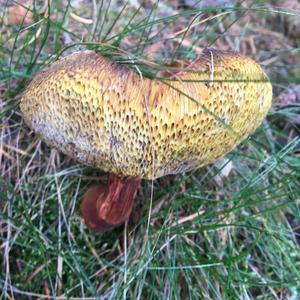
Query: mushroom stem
[[104, 208]]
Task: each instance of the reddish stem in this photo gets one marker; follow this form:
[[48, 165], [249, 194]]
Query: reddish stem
[[104, 208]]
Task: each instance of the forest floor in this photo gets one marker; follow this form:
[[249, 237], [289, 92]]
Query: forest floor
[[230, 230]]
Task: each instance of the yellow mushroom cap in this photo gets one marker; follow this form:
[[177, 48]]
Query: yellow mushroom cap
[[107, 116]]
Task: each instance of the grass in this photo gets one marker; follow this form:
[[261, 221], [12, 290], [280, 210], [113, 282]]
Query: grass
[[227, 231]]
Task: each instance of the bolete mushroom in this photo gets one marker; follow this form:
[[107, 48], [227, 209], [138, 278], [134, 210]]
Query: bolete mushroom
[[109, 117]]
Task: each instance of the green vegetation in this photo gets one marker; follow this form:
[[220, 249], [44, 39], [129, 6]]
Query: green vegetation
[[227, 231]]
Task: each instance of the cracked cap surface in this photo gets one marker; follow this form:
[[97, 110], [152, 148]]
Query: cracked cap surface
[[107, 116]]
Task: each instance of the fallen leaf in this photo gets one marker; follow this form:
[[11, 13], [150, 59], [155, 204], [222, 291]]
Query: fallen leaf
[[19, 15], [290, 96]]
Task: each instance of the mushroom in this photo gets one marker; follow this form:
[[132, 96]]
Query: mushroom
[[107, 116]]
